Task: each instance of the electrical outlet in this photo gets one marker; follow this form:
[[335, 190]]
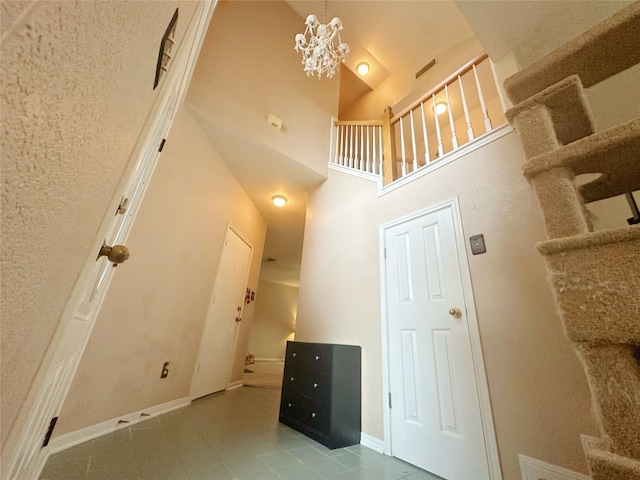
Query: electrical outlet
[[165, 370]]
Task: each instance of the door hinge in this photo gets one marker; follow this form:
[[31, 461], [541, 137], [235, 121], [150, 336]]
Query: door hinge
[[47, 436], [162, 144], [385, 252], [122, 207], [389, 399]]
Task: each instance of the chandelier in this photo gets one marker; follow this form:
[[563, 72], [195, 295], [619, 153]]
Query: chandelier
[[321, 46]]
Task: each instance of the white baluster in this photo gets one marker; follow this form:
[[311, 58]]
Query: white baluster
[[344, 145], [356, 157], [454, 138], [483, 106], [362, 159], [338, 140], [350, 145], [369, 165], [404, 159], [380, 150], [424, 135], [413, 142], [466, 110], [435, 116]]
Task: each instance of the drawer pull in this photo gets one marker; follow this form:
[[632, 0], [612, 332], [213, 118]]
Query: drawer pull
[[313, 415], [294, 354], [315, 385], [288, 405], [317, 357], [292, 379]]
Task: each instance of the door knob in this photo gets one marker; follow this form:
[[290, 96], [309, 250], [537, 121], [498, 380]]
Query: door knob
[[455, 312], [115, 254]]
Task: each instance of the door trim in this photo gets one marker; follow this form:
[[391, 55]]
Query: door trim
[[484, 399]]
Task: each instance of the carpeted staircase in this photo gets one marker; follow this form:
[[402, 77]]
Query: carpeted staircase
[[595, 275]]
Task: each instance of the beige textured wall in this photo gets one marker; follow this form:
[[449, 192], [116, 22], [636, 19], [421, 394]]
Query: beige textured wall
[[251, 71], [155, 309], [539, 394], [274, 321], [77, 82]]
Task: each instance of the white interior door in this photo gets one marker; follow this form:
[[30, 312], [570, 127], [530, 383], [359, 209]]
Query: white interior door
[[218, 343], [435, 413]]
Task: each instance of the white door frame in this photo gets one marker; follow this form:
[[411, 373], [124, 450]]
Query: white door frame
[[236, 231], [474, 333]]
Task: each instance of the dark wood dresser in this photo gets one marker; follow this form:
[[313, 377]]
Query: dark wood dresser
[[321, 393]]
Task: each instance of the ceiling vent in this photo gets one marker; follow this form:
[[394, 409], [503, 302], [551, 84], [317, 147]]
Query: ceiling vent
[[425, 68]]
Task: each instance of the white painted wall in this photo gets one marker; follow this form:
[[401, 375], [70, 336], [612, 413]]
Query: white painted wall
[[77, 82], [156, 306], [274, 320], [539, 394]]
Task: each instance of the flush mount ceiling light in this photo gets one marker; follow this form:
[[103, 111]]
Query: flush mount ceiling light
[[362, 68], [279, 200], [440, 108], [321, 46]]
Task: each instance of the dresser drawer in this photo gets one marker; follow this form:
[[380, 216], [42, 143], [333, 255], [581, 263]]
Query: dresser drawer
[[295, 381], [318, 386], [315, 414], [318, 357], [291, 406]]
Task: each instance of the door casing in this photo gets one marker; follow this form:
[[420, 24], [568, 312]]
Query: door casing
[[474, 333]]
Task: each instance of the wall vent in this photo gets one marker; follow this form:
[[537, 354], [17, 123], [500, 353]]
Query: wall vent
[[425, 68]]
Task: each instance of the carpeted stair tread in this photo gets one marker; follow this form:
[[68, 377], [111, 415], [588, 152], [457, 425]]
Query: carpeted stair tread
[[599, 53], [615, 153], [590, 240], [596, 281], [567, 106], [614, 381], [604, 465]]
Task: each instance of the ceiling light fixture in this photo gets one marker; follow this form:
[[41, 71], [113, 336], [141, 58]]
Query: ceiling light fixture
[[440, 108], [279, 200], [362, 68], [321, 46]]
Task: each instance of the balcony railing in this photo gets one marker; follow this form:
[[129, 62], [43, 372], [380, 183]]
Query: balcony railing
[[421, 134]]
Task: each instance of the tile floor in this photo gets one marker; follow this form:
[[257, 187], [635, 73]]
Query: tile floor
[[228, 435]]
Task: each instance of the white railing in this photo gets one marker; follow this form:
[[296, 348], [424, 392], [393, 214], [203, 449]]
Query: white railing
[[420, 134], [358, 145]]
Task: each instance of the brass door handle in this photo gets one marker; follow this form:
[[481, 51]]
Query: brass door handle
[[455, 312], [115, 254]]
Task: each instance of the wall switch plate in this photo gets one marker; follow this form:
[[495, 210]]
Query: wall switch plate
[[477, 244]]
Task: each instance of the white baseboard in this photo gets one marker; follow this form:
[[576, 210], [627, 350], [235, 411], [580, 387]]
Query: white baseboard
[[72, 439], [235, 384], [373, 443], [533, 469]]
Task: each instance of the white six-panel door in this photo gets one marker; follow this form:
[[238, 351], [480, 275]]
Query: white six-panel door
[[435, 412]]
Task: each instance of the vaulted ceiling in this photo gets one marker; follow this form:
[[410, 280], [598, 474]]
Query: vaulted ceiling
[[394, 36]]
